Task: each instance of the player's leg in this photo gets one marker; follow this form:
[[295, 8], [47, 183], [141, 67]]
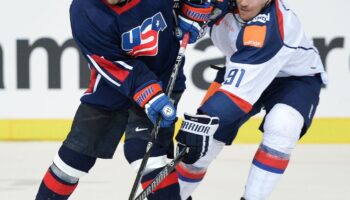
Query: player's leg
[[137, 136], [290, 107], [62, 177], [221, 105], [282, 129], [191, 175], [95, 133]]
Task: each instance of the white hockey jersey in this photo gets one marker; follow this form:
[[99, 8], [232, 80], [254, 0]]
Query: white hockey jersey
[[271, 45]]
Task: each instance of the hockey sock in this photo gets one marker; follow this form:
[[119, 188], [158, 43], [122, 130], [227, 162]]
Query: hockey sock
[[168, 189], [55, 188], [191, 175], [62, 177], [189, 178], [266, 170]]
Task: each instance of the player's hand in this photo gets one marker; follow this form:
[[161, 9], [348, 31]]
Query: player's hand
[[196, 133], [193, 15], [161, 106], [156, 104], [221, 8]]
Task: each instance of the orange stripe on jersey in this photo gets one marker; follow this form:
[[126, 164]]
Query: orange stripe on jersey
[[242, 104], [111, 68], [254, 36], [214, 86]]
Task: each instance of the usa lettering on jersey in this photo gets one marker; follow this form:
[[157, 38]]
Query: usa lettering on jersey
[[143, 40]]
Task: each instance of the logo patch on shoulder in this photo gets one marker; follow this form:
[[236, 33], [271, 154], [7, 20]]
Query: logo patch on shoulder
[[254, 36]]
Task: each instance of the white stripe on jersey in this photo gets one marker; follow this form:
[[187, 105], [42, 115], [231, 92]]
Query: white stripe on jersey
[[126, 66], [98, 78]]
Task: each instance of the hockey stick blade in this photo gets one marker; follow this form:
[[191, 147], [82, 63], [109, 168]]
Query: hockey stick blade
[[155, 130]]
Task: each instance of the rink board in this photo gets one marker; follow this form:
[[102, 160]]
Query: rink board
[[323, 130]]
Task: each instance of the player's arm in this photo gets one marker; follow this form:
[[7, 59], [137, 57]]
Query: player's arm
[[130, 76]]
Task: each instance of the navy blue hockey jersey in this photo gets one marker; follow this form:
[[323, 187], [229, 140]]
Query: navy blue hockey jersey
[[127, 48]]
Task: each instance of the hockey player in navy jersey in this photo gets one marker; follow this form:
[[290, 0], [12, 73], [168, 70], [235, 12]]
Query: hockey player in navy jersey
[[131, 49], [270, 65]]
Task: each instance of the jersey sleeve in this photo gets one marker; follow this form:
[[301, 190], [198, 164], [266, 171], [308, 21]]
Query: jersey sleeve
[[98, 40], [259, 57]]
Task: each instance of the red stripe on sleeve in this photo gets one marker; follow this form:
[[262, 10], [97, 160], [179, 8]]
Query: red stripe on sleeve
[[56, 186], [111, 68], [271, 160], [93, 75]]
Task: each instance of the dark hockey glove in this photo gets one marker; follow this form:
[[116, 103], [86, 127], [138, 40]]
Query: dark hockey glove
[[193, 15], [196, 133]]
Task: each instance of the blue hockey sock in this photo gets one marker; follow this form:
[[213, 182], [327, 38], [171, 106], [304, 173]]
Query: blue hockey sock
[[168, 189], [54, 188]]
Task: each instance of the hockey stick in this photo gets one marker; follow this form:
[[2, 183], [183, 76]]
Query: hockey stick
[[155, 130], [162, 174]]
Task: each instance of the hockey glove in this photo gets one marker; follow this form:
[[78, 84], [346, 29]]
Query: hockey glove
[[196, 133], [156, 104], [193, 15], [221, 8]]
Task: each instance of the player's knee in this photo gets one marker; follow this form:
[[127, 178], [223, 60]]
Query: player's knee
[[134, 150], [282, 128], [70, 165]]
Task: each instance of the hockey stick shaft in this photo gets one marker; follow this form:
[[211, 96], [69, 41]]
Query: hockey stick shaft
[[162, 174], [155, 130]]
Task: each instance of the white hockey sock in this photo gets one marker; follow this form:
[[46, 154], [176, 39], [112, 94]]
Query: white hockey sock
[[189, 178], [266, 170]]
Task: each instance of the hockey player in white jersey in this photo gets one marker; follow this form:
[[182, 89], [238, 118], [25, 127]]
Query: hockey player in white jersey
[[270, 65]]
